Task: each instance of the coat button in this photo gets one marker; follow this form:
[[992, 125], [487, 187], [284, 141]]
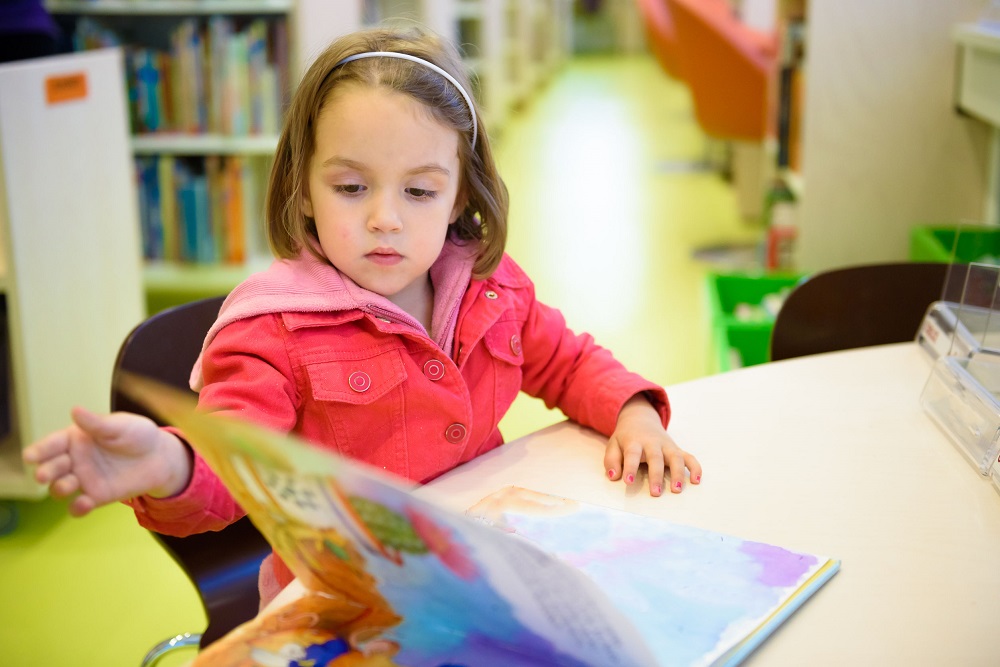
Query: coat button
[[359, 381], [455, 433], [434, 370], [490, 294], [515, 344]]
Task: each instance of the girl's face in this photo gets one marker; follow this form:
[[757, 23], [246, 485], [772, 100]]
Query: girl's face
[[383, 186]]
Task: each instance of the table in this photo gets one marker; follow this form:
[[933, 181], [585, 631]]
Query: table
[[832, 455]]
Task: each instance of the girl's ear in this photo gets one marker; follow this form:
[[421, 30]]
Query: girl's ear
[[305, 204], [461, 201]]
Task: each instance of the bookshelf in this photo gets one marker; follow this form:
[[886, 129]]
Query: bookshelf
[[69, 246], [207, 83]]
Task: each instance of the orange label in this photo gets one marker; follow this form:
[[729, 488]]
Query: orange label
[[65, 87]]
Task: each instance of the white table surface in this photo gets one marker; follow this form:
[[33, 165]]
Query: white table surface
[[831, 455]]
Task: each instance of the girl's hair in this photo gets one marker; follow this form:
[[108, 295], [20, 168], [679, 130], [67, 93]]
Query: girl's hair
[[484, 218]]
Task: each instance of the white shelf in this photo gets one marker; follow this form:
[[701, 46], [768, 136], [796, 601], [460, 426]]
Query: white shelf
[[202, 278], [168, 7], [203, 144], [978, 89], [466, 9]]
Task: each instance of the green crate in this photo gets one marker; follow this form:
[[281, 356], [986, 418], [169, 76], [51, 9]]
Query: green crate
[[743, 342], [943, 243], [729, 290], [740, 346]]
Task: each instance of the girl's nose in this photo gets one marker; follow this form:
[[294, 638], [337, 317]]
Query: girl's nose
[[384, 214]]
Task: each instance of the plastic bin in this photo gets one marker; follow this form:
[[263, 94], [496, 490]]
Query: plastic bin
[[741, 324], [935, 243]]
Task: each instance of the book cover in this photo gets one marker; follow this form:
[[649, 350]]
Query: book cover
[[391, 578]]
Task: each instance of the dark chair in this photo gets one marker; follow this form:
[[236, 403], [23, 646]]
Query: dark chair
[[222, 565], [856, 306]]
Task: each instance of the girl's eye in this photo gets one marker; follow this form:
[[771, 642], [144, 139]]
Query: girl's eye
[[349, 189], [421, 193]]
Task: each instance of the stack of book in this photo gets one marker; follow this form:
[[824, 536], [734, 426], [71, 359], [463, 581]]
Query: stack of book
[[217, 76], [200, 210]]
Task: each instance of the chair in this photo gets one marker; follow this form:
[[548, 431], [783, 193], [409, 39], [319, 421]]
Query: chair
[[856, 306], [729, 67], [223, 565], [660, 35]]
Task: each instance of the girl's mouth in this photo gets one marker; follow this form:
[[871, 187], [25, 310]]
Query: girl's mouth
[[384, 256]]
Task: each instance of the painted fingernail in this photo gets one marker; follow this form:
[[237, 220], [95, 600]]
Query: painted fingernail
[[630, 478], [611, 474], [697, 478], [677, 486], [657, 490]]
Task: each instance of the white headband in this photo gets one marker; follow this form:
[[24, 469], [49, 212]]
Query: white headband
[[421, 61]]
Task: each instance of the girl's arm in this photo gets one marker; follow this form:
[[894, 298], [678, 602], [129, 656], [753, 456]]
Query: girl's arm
[[571, 372]]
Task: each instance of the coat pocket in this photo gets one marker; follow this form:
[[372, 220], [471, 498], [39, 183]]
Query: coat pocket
[[503, 342], [362, 402]]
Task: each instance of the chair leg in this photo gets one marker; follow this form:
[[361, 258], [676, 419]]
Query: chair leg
[[168, 645]]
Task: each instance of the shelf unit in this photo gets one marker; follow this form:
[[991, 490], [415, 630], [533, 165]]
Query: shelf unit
[[69, 246], [308, 26]]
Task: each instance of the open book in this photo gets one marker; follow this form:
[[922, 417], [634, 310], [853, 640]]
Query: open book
[[524, 578]]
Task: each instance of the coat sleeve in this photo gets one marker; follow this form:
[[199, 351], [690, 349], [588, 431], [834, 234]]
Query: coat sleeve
[[572, 372], [247, 373]]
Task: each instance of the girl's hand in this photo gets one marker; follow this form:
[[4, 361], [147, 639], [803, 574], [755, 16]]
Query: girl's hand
[[101, 459], [639, 437]]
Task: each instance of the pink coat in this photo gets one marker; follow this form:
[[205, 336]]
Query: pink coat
[[300, 348]]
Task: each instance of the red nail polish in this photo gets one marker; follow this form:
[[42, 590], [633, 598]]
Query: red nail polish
[[657, 490], [677, 485], [611, 474], [697, 479], [630, 478]]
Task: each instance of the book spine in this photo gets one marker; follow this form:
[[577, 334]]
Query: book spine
[[235, 231], [168, 208], [204, 239], [215, 175]]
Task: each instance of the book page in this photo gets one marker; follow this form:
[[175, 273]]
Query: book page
[[697, 597], [391, 578]]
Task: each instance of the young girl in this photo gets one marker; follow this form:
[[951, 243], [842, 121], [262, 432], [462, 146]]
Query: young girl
[[392, 328]]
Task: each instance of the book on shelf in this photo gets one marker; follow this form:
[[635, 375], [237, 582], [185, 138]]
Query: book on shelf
[[219, 75], [389, 577], [201, 210]]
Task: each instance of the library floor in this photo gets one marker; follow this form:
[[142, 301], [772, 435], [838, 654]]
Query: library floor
[[607, 209]]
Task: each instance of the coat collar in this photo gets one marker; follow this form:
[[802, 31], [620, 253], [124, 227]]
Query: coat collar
[[308, 285]]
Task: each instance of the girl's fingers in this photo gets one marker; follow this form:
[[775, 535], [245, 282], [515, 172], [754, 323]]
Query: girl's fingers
[[53, 469], [630, 464], [677, 467], [81, 505], [654, 468], [96, 426], [65, 486], [613, 460], [694, 468], [51, 445]]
